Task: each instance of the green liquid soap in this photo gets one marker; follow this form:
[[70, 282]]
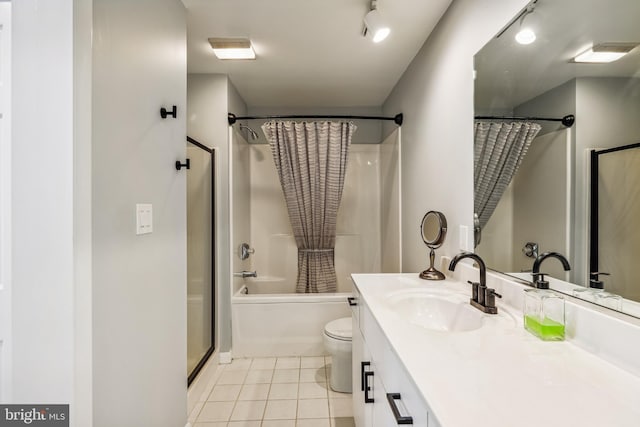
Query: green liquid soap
[[547, 329]]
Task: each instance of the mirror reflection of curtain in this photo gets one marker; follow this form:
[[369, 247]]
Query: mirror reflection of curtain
[[311, 159], [499, 148]]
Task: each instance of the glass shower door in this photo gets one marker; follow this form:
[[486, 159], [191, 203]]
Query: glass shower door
[[200, 257]]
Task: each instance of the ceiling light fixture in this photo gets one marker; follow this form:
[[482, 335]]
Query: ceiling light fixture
[[232, 48], [374, 25], [605, 53], [526, 34]]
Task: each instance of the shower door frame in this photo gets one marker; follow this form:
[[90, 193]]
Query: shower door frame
[[196, 370], [594, 203]]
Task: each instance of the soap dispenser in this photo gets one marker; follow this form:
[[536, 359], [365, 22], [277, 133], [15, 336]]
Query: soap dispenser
[[596, 293], [544, 311]]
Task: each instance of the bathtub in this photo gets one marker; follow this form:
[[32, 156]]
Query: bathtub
[[266, 322]]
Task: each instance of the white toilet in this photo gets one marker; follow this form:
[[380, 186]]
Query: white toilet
[[337, 342]]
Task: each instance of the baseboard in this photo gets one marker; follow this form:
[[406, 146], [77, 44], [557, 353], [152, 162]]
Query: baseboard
[[225, 358]]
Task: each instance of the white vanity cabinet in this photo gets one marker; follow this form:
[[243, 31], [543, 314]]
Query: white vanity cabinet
[[380, 382]]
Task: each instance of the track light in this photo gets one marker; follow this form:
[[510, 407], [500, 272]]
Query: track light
[[526, 34], [374, 25]]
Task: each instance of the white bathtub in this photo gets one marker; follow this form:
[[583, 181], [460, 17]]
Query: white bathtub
[[282, 324]]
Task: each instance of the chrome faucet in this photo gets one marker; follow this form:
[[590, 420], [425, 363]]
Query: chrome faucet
[[482, 298], [244, 274], [538, 278]]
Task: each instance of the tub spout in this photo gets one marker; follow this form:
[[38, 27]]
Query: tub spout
[[244, 274]]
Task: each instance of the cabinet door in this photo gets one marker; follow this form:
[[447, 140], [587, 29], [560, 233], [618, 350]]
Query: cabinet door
[[360, 354]]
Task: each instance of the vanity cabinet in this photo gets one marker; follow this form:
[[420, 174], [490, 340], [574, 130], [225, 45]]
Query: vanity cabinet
[[380, 382]]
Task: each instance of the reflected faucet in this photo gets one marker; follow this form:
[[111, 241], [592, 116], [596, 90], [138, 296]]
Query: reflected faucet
[[482, 298], [538, 278], [244, 274]]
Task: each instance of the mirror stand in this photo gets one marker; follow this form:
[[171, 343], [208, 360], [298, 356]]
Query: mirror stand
[[433, 230], [431, 273]]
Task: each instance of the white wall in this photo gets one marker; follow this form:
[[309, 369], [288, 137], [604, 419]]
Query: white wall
[[541, 188], [436, 96], [240, 205], [607, 111], [43, 202], [496, 242], [82, 410], [390, 204], [139, 281]]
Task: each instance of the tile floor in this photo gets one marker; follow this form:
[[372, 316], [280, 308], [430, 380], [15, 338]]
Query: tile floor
[[273, 392]]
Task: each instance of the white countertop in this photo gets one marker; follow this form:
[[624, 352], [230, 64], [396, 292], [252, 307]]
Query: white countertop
[[501, 375]]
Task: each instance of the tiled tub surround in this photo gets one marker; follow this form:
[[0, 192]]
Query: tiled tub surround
[[273, 392], [509, 377]]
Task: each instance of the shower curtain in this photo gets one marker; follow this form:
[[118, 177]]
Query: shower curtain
[[499, 148], [311, 159]]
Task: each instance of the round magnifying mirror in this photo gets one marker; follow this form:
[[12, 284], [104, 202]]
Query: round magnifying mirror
[[433, 230]]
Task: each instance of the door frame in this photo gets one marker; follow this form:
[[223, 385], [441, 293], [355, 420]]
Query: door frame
[[196, 370]]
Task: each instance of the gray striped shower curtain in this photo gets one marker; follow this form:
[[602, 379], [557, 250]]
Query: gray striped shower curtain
[[499, 148], [311, 159]]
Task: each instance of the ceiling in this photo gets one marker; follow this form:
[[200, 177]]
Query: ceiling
[[509, 74], [310, 53]]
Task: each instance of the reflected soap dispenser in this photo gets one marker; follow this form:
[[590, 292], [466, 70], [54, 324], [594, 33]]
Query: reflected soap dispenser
[[544, 311], [596, 293]]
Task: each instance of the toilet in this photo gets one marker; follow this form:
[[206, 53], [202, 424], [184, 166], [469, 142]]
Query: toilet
[[337, 342]]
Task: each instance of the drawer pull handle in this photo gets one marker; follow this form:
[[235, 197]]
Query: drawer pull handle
[[400, 419], [367, 388], [363, 365], [352, 301]]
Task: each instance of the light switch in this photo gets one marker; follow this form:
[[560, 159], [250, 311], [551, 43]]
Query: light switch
[[144, 218]]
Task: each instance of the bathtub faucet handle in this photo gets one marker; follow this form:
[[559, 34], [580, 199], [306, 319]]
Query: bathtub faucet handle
[[245, 250], [244, 274]]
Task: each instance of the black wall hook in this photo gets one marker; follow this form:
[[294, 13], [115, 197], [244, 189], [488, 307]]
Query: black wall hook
[[186, 164], [164, 113]]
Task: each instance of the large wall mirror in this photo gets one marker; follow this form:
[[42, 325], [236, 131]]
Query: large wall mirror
[[533, 178]]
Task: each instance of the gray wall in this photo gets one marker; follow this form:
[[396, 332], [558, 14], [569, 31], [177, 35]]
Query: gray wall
[[210, 98], [607, 111], [436, 96], [139, 281]]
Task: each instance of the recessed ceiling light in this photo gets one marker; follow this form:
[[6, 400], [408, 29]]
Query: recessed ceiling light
[[605, 53], [232, 48]]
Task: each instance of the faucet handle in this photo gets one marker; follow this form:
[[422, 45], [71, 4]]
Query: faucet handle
[[539, 282], [490, 300], [595, 282], [491, 291], [475, 286]]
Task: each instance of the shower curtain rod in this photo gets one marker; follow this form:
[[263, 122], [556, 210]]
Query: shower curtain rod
[[397, 119], [567, 120]]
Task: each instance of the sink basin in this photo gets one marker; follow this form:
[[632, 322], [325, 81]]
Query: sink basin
[[446, 312]]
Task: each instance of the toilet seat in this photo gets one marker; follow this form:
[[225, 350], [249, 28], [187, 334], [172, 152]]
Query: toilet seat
[[339, 329]]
